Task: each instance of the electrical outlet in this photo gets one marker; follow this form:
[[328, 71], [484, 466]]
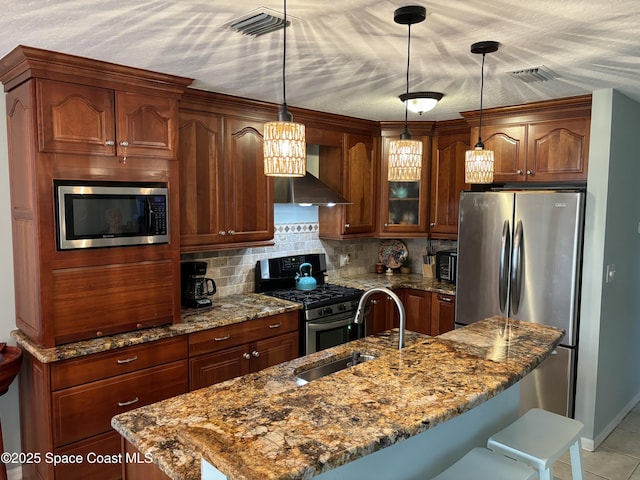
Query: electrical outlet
[[611, 272], [345, 259]]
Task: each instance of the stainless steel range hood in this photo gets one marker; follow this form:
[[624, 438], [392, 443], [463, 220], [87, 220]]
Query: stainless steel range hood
[[307, 190]]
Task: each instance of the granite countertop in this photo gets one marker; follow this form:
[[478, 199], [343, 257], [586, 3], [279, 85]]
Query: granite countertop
[[225, 311], [397, 280], [265, 426]]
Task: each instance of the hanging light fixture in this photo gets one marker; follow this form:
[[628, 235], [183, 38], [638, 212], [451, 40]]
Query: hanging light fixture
[[405, 155], [479, 163], [284, 143], [421, 102]]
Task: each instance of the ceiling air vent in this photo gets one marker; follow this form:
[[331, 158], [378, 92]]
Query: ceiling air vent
[[259, 22], [533, 74]]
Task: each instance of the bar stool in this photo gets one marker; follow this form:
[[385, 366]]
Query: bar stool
[[538, 438], [481, 464]]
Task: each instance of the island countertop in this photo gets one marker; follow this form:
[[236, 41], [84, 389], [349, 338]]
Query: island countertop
[[265, 426]]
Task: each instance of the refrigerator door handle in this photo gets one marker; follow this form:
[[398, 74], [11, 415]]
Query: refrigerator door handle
[[516, 269], [503, 274]]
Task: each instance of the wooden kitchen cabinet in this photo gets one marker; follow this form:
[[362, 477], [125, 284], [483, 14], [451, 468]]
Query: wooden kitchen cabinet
[[417, 306], [355, 177], [226, 200], [404, 206], [542, 142], [66, 406], [450, 144], [91, 120], [227, 352], [383, 314], [443, 312], [62, 113]]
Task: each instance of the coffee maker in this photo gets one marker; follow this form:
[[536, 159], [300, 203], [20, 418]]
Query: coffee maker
[[195, 287]]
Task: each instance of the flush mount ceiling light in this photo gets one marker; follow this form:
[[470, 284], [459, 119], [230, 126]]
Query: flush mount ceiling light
[[405, 155], [478, 163], [284, 143], [421, 102]]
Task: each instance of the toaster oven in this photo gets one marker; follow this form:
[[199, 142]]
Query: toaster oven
[[447, 265]]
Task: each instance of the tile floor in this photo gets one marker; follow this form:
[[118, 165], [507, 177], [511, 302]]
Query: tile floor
[[618, 458]]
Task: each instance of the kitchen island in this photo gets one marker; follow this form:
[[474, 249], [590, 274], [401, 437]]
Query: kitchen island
[[267, 425]]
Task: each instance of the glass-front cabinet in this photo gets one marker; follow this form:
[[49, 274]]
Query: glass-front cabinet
[[404, 205]]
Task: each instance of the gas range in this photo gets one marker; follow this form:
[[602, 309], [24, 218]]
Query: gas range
[[327, 317], [326, 299]]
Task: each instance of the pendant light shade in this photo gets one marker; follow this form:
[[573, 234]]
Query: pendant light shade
[[479, 163], [284, 143], [405, 155], [421, 102]]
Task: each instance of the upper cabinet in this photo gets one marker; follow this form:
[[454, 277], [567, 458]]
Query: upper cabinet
[[226, 201], [404, 206], [352, 172], [537, 142], [450, 143]]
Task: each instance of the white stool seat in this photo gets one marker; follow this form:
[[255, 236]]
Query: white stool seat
[[539, 438], [483, 464]]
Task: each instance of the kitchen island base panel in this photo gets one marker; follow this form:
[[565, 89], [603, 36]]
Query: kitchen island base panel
[[429, 453]]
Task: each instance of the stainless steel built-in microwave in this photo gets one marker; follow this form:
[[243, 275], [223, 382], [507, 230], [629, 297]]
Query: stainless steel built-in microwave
[[109, 214]]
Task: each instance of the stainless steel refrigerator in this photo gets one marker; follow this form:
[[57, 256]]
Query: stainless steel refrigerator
[[519, 256]]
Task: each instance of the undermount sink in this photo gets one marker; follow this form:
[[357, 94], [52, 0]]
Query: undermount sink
[[332, 367]]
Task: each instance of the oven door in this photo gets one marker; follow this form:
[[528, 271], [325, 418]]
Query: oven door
[[331, 331]]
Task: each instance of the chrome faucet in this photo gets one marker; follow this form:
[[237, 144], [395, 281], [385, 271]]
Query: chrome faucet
[[363, 300]]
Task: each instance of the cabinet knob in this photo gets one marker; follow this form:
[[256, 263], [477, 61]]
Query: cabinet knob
[[255, 353], [124, 143], [374, 302], [222, 233], [231, 232], [346, 225], [432, 224], [530, 172], [109, 143], [246, 356], [519, 172], [386, 225]]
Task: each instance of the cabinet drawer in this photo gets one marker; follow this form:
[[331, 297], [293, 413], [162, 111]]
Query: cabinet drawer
[[83, 411], [123, 360], [243, 332], [107, 444]]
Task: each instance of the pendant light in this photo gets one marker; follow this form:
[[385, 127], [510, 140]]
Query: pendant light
[[284, 143], [405, 155], [479, 163]]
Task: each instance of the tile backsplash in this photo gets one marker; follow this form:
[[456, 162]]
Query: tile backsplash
[[234, 270]]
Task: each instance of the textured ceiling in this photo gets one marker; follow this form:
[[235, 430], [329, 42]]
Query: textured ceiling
[[350, 57]]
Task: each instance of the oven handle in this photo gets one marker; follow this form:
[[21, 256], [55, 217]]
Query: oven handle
[[329, 324]]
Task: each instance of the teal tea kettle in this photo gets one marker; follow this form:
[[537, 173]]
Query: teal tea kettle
[[304, 280]]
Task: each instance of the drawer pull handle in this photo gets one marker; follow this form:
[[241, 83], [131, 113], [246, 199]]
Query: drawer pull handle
[[222, 339], [130, 402], [127, 360], [445, 299], [275, 325]]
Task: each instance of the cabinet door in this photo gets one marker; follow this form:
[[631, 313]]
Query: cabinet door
[[447, 181], [417, 306], [558, 150], [509, 146], [360, 185], [107, 444], [146, 125], [201, 199], [442, 313], [89, 302], [404, 204], [248, 192], [205, 370], [75, 118], [274, 350], [377, 319]]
